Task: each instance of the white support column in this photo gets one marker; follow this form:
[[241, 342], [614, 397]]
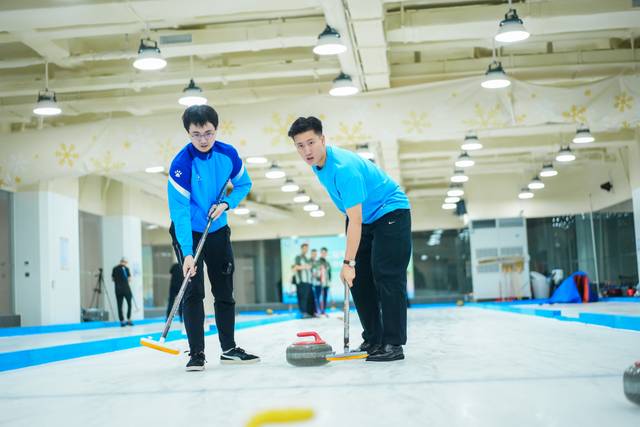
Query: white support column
[[122, 236], [45, 246]]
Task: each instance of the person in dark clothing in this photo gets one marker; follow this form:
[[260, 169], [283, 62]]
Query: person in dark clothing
[[174, 288], [121, 276]]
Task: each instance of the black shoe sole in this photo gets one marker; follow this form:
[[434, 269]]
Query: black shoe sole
[[391, 359]]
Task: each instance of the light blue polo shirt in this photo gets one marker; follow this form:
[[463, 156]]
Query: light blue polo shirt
[[349, 179]]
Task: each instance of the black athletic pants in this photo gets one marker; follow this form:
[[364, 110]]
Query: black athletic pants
[[380, 287], [218, 256], [120, 297], [304, 292]]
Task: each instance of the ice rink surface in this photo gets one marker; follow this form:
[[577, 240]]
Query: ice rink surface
[[464, 367]]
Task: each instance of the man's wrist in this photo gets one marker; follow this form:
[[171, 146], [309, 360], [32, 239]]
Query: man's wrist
[[349, 262]]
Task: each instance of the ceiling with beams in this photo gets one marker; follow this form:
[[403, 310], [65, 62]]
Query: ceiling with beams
[[247, 51]]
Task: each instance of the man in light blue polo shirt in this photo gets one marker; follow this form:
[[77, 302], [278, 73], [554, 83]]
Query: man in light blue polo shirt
[[378, 237]]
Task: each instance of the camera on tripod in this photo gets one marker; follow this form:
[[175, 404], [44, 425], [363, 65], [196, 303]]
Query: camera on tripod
[[94, 313]]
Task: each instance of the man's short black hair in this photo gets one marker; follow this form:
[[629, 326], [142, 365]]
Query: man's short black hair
[[303, 124], [324, 249], [314, 250], [199, 115], [303, 245]]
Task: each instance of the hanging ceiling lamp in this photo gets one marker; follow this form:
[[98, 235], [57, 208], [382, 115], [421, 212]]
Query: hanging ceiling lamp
[[464, 160], [525, 193], [47, 104], [565, 155], [329, 43], [274, 172], [583, 135], [548, 171], [289, 186], [301, 197], [455, 190], [149, 56], [511, 28], [459, 176], [343, 86], [536, 184], [192, 95], [471, 142]]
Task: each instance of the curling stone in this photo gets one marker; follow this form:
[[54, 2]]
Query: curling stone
[[631, 382], [459, 303], [308, 353], [269, 311]]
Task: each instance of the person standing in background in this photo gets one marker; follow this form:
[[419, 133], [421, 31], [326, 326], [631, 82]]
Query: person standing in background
[[315, 281], [325, 279], [302, 269], [121, 276]]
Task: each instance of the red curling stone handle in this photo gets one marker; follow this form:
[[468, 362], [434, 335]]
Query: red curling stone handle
[[316, 338]]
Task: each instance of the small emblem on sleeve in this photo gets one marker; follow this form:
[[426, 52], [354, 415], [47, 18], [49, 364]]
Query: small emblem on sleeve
[[178, 173]]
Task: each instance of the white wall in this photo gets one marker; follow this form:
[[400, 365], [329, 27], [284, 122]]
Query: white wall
[[46, 248]]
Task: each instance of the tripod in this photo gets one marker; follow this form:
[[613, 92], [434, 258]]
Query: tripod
[[95, 299]]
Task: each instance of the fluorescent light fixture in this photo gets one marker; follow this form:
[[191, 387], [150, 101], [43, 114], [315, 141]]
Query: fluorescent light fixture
[[301, 197], [525, 193], [317, 214], [455, 191], [47, 105], [536, 184], [471, 143], [448, 206], [329, 43], [252, 218], [154, 169], [364, 151], [343, 86], [459, 176], [548, 171], [310, 207], [274, 172], [152, 226], [565, 155], [289, 186], [464, 161], [511, 28], [495, 77], [257, 160], [452, 200], [149, 57], [583, 135], [192, 95], [241, 210]]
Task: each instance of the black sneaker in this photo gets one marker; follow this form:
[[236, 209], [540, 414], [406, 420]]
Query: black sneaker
[[387, 353], [369, 347], [196, 362], [123, 324], [238, 356], [129, 323]]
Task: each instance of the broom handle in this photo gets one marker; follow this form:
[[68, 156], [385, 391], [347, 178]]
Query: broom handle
[[186, 279], [346, 318]]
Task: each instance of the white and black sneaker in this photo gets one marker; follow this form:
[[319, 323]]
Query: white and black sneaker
[[238, 356], [196, 362]]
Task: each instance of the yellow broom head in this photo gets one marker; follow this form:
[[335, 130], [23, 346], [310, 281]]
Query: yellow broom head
[[158, 345], [352, 355]]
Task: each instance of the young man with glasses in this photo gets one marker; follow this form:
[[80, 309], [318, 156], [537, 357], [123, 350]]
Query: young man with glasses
[[378, 237], [197, 175]]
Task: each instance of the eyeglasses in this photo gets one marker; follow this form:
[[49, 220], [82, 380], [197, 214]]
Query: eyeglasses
[[205, 136]]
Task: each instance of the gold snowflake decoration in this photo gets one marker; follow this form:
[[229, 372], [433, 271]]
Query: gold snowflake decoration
[[485, 119], [106, 164], [416, 122], [623, 102], [226, 128], [575, 114], [533, 95], [587, 92], [66, 155], [17, 179], [126, 145], [167, 150], [630, 125], [279, 128], [520, 118], [351, 135], [242, 142]]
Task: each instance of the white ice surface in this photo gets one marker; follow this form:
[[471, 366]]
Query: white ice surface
[[464, 367]]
